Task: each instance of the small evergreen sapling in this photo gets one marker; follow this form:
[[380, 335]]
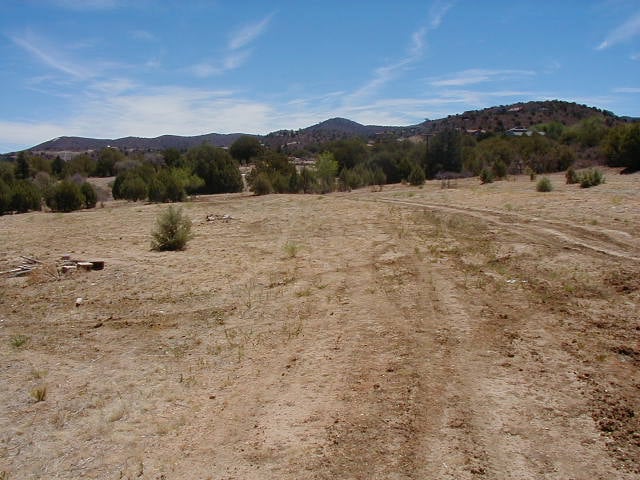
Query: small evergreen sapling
[[172, 231]]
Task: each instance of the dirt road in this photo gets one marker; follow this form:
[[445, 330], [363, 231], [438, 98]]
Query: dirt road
[[405, 334]]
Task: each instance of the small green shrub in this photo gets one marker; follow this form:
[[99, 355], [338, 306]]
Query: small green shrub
[[417, 176], [544, 185], [500, 169], [39, 393], [172, 231], [571, 176], [262, 184], [291, 249], [486, 176], [591, 178], [18, 341]]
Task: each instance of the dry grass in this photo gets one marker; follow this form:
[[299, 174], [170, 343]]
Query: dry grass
[[252, 357]]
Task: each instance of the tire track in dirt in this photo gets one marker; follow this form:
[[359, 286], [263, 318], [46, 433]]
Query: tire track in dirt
[[541, 229], [482, 408]]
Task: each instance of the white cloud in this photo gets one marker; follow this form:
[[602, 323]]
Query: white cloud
[[627, 90], [622, 33], [384, 74], [19, 135], [478, 75], [50, 55], [249, 33], [437, 13], [86, 4], [230, 62], [235, 55], [143, 35]]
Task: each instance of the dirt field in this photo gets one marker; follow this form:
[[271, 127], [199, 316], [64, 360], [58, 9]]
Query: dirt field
[[477, 332]]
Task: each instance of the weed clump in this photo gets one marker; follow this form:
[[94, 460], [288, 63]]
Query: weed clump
[[417, 176], [571, 176], [544, 185], [591, 178], [172, 231], [486, 176], [39, 393], [18, 341], [291, 249]]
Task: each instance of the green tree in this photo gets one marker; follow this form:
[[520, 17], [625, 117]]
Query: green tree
[[622, 147], [108, 157], [39, 164], [82, 164], [65, 196], [7, 172], [22, 171], [245, 148], [133, 188], [444, 153], [172, 157], [25, 196], [326, 170], [553, 130], [349, 152], [277, 169], [58, 167], [218, 170], [261, 184], [379, 177], [588, 132], [417, 176], [89, 195], [307, 180], [5, 197]]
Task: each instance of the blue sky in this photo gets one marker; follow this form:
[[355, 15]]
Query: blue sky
[[113, 68]]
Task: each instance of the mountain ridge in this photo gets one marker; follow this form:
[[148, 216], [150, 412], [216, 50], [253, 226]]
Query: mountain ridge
[[492, 119]]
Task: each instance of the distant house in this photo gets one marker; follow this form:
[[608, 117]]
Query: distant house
[[518, 132]]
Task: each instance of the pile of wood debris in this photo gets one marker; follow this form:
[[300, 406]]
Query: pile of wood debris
[[65, 265], [219, 218]]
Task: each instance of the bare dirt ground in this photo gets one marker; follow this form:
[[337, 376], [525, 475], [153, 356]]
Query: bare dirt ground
[[487, 332]]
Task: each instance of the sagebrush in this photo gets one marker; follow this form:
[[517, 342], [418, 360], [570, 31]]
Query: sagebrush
[[172, 230], [544, 185]]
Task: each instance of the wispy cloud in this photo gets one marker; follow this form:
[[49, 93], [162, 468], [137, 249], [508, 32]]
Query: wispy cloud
[[622, 33], [635, 56], [230, 62], [248, 33], [144, 35], [478, 75], [86, 4], [50, 55], [236, 53], [384, 74], [626, 90]]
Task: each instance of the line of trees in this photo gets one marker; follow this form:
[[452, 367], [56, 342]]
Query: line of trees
[[29, 183], [201, 170]]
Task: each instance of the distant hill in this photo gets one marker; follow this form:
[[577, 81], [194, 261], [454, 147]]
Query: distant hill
[[493, 119], [81, 144], [504, 117]]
